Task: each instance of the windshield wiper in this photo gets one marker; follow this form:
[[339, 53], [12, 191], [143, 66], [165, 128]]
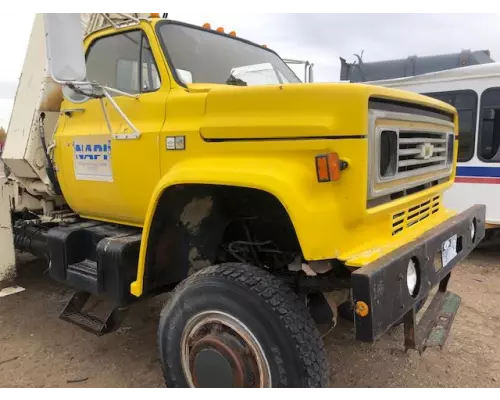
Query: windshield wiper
[[235, 81]]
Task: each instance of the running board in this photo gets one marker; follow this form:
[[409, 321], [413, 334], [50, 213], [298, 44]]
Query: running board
[[74, 313]]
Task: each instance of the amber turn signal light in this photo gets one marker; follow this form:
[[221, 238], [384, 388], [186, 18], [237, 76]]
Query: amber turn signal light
[[362, 309], [328, 167]]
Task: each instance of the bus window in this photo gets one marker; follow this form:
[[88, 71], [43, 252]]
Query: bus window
[[489, 129], [465, 101]]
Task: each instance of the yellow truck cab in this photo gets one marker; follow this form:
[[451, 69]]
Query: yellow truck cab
[[267, 205]]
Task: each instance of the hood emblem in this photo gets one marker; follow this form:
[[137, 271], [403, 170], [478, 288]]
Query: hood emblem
[[426, 151]]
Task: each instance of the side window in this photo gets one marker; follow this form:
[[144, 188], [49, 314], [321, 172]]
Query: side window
[[465, 101], [114, 61], [489, 128], [149, 78]]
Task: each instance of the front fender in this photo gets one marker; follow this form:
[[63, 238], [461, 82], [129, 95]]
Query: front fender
[[292, 181]]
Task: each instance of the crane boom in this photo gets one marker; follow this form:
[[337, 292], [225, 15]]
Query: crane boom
[[96, 21]]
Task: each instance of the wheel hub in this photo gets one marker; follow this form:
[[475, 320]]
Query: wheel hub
[[219, 351], [219, 361], [212, 370]]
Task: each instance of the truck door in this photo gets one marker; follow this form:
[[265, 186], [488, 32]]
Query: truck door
[[111, 176]]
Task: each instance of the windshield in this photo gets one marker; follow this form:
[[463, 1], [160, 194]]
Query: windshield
[[202, 56]]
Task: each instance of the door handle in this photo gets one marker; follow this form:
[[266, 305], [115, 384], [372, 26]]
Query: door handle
[[126, 136]]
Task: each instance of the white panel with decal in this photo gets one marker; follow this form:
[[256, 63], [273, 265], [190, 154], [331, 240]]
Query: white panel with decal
[[92, 158]]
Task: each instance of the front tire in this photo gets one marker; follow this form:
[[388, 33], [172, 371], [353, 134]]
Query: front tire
[[235, 325]]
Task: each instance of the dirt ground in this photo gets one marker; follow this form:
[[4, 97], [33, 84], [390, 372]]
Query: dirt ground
[[37, 349]]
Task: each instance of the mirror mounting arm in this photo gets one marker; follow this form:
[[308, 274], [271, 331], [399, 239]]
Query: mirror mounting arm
[[102, 92], [109, 89], [135, 132]]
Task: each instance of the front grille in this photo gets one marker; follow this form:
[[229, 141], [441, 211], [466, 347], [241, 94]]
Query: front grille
[[411, 216], [419, 151], [409, 153]]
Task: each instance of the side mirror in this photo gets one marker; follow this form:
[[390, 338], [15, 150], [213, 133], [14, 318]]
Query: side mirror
[[65, 52], [185, 76]]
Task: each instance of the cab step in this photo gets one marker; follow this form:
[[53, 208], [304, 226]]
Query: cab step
[[444, 311], [84, 275], [433, 328], [77, 314]]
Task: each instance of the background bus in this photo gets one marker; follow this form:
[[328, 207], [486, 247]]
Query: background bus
[[474, 90]]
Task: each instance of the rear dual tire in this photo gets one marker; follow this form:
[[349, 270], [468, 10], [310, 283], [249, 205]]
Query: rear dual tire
[[235, 325]]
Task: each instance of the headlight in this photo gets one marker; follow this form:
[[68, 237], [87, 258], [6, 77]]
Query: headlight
[[388, 153], [412, 277], [473, 230], [451, 148]]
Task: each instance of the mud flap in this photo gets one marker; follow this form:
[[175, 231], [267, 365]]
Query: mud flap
[[7, 251], [434, 326]]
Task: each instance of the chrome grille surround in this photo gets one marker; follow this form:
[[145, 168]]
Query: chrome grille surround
[[398, 182]]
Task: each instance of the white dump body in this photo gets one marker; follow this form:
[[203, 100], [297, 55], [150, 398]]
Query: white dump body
[[477, 181], [36, 93]]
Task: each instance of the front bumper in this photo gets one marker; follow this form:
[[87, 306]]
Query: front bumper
[[380, 289]]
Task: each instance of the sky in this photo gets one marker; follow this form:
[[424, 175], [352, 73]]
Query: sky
[[319, 38]]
